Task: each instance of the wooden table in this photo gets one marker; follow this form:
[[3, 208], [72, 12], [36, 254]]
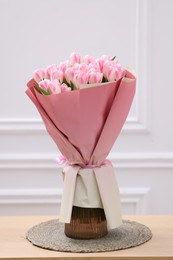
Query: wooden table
[[13, 244]]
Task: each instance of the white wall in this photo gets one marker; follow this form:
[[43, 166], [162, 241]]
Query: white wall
[[36, 33]]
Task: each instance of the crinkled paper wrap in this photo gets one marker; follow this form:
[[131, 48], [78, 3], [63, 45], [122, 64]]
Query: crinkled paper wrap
[[91, 188]]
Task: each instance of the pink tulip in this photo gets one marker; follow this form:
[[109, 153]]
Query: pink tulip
[[103, 60], [112, 71], [76, 66], [112, 74], [89, 59], [58, 75], [53, 86], [80, 78], [94, 66], [53, 72], [120, 71], [64, 88], [39, 75], [51, 68], [44, 84], [69, 74], [106, 66], [75, 58], [64, 65], [95, 77], [83, 67]]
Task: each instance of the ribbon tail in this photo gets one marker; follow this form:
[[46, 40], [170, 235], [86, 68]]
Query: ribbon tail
[[70, 174], [109, 194]]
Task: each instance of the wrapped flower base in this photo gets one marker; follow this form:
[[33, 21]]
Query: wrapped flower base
[[86, 223], [84, 123]]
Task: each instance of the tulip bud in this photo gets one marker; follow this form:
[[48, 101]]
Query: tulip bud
[[69, 74], [102, 61], [89, 59], [75, 58], [39, 75], [80, 78], [65, 88], [52, 86], [115, 72], [50, 69], [95, 77], [44, 84], [58, 75]]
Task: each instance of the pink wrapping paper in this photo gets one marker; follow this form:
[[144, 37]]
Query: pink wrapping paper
[[85, 123]]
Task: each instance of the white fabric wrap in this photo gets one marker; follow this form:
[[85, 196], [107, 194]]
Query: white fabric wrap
[[91, 188]]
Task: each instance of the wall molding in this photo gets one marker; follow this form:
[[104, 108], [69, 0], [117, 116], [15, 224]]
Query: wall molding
[[142, 160], [21, 125], [36, 126], [135, 198], [120, 161], [30, 196], [142, 68], [138, 124]]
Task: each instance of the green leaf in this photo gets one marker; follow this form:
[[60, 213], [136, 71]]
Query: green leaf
[[113, 58], [44, 92], [73, 87], [104, 79], [65, 82]]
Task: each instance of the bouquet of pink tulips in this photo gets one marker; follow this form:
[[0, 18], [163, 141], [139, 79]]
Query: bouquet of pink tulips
[[84, 121], [76, 71]]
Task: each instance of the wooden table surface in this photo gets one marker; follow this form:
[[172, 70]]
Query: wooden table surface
[[13, 244]]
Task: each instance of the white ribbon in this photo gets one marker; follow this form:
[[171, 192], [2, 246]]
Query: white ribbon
[[91, 188]]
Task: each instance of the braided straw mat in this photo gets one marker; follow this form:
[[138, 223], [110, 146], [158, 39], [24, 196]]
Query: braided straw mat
[[50, 235]]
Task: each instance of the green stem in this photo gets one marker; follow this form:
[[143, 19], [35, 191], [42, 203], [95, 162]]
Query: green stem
[[104, 79], [44, 92]]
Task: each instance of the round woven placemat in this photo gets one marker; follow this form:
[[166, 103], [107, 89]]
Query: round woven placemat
[[50, 235]]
